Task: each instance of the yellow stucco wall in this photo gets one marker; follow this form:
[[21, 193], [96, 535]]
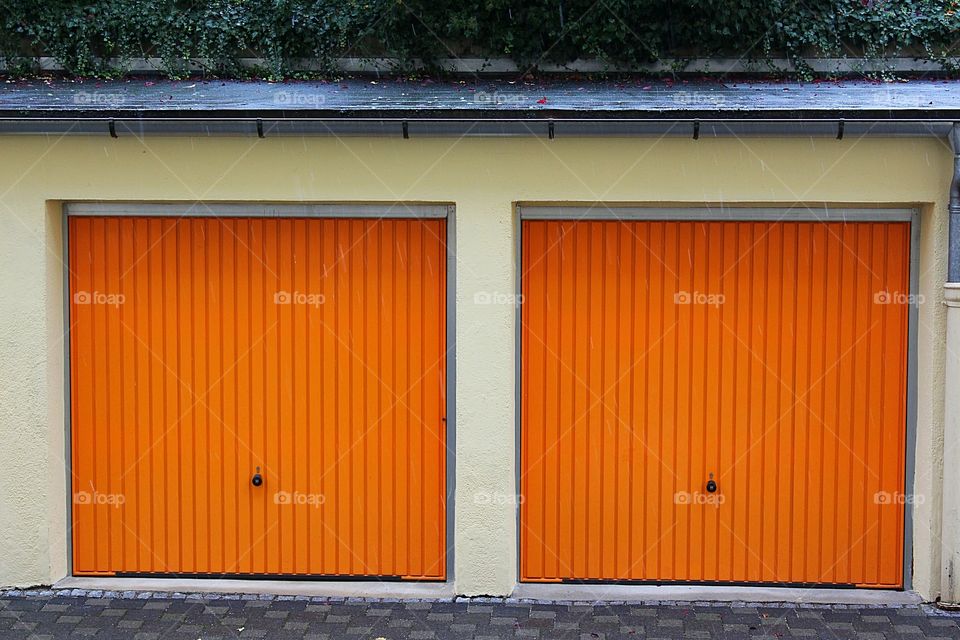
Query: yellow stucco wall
[[484, 178]]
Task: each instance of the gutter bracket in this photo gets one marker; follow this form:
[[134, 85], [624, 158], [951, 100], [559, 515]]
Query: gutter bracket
[[696, 129], [840, 125], [112, 127]]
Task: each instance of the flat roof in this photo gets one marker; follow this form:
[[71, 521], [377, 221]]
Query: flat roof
[[912, 100]]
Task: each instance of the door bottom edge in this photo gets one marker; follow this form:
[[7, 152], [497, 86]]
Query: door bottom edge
[[710, 583], [636, 592]]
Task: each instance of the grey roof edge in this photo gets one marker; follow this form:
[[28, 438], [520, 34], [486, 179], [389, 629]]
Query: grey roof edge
[[500, 65], [270, 108]]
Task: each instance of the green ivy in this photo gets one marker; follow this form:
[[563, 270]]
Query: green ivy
[[96, 37]]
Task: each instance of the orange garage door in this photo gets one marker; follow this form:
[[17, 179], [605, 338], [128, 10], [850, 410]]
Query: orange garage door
[[258, 396], [714, 401]]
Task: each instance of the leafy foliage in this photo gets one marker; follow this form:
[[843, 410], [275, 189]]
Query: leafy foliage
[[95, 37]]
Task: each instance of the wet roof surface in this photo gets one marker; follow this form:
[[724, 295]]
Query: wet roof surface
[[364, 98]]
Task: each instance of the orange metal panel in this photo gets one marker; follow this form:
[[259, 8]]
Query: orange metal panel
[[772, 355], [204, 350]]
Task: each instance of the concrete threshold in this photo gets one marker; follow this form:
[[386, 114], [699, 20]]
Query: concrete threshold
[[540, 592], [698, 593], [328, 589]]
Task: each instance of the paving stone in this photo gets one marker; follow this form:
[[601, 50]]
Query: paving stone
[[358, 631], [297, 626], [606, 619], [906, 628], [503, 622], [129, 624], [400, 622], [440, 617], [332, 619], [542, 615], [943, 622]]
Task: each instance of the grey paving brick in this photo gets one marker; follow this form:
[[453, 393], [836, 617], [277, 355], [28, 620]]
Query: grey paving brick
[[129, 624], [906, 628], [440, 617], [400, 622], [296, 626], [543, 614]]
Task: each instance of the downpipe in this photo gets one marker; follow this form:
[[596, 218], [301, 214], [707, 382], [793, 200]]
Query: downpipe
[[953, 268]]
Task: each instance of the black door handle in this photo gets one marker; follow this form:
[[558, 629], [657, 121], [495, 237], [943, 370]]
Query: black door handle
[[711, 485], [257, 479]]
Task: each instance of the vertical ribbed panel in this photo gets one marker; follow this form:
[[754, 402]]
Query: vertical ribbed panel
[[202, 349], [772, 355]]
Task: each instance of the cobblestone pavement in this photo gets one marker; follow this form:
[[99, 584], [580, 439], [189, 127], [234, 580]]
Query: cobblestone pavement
[[144, 616]]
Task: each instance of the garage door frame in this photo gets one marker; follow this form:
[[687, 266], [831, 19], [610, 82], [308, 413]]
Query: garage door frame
[[805, 212], [370, 210]]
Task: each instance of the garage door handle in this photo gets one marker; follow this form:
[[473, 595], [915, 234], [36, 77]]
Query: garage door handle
[[711, 485], [257, 479]]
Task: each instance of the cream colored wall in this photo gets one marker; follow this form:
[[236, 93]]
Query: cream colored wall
[[484, 177]]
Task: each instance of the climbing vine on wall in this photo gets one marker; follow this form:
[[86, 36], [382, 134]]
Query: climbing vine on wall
[[97, 37]]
